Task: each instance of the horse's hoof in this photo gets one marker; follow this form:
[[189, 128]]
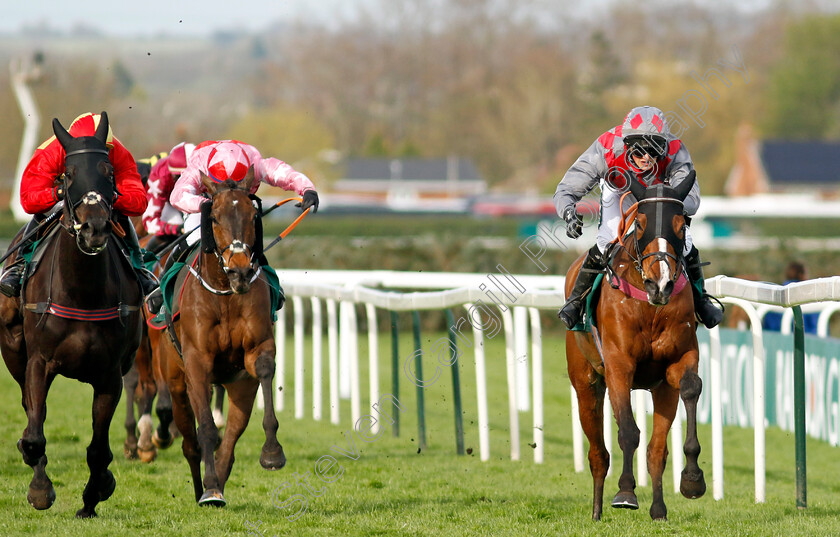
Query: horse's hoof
[[273, 460], [162, 443], [130, 451], [692, 484], [147, 455], [658, 511], [84, 512], [41, 498], [213, 498], [106, 486], [625, 500]]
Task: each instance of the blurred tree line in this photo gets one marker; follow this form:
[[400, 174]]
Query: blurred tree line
[[519, 86]]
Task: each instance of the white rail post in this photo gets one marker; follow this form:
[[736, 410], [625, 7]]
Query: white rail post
[[299, 366], [677, 455], [513, 410], [758, 396], [317, 369], [279, 360], [641, 422], [520, 341], [353, 342], [345, 350], [373, 359], [332, 330], [537, 378], [480, 389], [716, 413]]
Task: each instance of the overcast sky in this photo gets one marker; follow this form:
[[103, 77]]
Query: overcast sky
[[201, 17], [149, 17]]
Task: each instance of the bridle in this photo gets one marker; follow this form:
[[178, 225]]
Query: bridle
[[90, 198], [236, 246], [660, 231]]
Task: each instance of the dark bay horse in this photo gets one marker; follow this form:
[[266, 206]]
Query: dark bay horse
[[647, 342], [227, 337], [78, 316]]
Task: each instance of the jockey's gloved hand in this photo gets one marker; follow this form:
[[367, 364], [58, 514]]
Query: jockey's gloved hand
[[574, 222], [310, 199], [58, 192]]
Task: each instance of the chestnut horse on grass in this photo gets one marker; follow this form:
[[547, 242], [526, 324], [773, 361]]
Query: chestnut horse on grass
[[78, 316], [645, 343], [227, 337]]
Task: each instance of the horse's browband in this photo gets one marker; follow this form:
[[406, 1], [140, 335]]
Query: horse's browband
[[672, 200], [80, 151]]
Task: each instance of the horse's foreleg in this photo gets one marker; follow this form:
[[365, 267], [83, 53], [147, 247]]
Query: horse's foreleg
[[101, 483], [619, 382], [682, 376], [33, 443], [198, 390], [242, 395], [272, 456], [665, 401], [130, 381], [184, 419], [692, 482]]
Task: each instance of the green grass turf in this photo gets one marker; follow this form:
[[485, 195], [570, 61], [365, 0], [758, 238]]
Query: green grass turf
[[394, 490]]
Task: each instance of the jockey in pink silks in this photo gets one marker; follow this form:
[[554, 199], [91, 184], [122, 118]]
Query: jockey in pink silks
[[229, 160]]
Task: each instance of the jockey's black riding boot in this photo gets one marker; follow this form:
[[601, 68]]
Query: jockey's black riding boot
[[10, 283], [707, 313], [592, 265]]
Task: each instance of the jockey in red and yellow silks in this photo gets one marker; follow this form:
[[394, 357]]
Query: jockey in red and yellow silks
[[39, 194]]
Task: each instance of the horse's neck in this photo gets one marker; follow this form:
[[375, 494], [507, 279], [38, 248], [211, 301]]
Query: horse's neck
[[90, 269], [211, 270], [624, 265]]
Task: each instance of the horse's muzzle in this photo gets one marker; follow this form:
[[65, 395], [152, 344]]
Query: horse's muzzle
[[659, 296], [92, 237], [240, 279]]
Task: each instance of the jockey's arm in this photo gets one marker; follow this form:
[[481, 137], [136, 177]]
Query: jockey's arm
[[277, 173], [37, 194], [132, 197], [186, 195], [582, 177], [678, 170]]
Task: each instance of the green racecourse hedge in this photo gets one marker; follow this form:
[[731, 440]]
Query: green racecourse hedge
[[448, 243], [468, 244]]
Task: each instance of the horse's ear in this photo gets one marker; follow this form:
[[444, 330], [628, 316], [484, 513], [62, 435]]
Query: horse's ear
[[681, 190], [248, 180], [637, 189], [209, 184], [61, 133], [101, 133]]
